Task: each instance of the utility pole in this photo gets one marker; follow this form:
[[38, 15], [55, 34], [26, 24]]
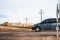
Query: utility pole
[[26, 21], [57, 28], [41, 13], [8, 23], [57, 25]]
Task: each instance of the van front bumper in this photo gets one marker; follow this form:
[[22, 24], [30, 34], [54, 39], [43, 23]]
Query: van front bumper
[[33, 28]]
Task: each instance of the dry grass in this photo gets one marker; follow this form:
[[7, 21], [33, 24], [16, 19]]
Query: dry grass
[[14, 27], [6, 28], [21, 25]]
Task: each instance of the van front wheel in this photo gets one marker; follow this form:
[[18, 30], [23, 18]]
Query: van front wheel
[[37, 29]]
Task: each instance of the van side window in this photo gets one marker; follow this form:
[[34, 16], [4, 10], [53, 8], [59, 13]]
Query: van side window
[[54, 21], [50, 21], [45, 21], [59, 21]]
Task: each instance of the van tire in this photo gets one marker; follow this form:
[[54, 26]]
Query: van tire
[[37, 29]]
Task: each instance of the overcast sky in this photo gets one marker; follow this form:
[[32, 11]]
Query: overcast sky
[[18, 10]]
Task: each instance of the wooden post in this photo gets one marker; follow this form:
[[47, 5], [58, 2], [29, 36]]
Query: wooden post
[[57, 28]]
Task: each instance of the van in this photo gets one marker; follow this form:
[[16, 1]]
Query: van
[[47, 24]]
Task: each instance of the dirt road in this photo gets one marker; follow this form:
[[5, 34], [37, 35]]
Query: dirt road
[[28, 34]]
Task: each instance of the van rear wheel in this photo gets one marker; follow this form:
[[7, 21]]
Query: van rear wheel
[[37, 29]]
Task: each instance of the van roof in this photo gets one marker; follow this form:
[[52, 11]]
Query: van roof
[[53, 19]]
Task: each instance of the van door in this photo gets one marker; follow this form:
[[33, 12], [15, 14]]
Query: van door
[[46, 25], [53, 24]]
